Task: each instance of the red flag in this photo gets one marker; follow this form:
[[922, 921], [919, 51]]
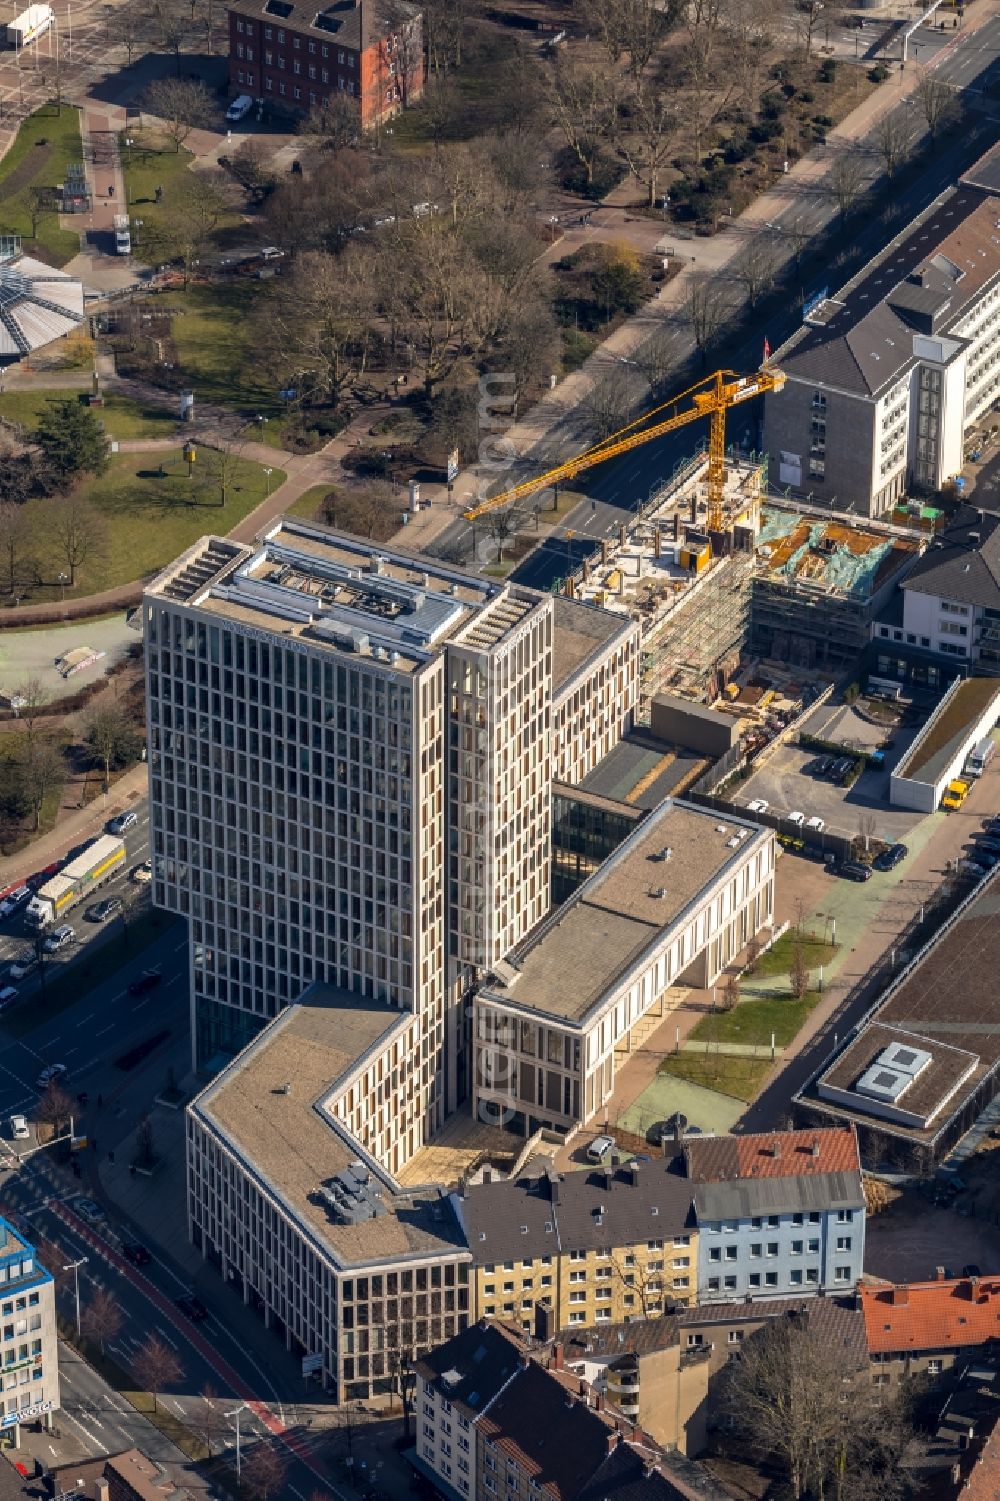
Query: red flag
[[767, 351]]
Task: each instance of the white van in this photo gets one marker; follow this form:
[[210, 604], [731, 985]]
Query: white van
[[979, 757], [241, 105]]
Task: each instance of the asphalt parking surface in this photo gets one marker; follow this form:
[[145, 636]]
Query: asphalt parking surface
[[787, 788]]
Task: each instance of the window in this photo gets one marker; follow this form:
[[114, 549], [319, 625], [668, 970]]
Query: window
[[732, 1252], [934, 1368], [812, 1274], [772, 1248], [798, 1219], [797, 1247], [817, 468], [735, 1336], [813, 1247], [795, 1277], [770, 1279], [714, 1284], [715, 1253], [842, 1274], [843, 1242], [695, 1339], [754, 1279], [730, 1284], [756, 1250]]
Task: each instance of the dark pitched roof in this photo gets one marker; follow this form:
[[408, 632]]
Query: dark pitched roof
[[538, 1216], [626, 1474], [472, 1367], [963, 563], [866, 345], [339, 20], [557, 1440]]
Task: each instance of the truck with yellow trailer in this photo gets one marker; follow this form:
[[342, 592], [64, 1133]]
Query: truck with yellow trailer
[[77, 880]]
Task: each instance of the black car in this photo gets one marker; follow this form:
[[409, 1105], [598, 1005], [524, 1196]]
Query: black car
[[135, 1252], [890, 858], [823, 766], [193, 1308], [147, 981], [101, 911], [853, 870]]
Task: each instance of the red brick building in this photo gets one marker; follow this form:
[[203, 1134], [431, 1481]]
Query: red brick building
[[289, 55]]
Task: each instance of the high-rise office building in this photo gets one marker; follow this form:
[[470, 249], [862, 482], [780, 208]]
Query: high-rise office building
[[351, 757]]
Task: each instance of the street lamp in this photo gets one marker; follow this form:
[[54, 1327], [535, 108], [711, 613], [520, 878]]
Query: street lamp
[[74, 1267], [236, 1413], [268, 473], [263, 424], [63, 581]]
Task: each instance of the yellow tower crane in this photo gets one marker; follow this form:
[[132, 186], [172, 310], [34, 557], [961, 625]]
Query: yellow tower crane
[[711, 398]]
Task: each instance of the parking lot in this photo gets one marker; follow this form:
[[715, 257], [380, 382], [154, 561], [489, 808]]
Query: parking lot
[[787, 788]]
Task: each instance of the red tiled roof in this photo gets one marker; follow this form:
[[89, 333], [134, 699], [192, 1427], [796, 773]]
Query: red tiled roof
[[931, 1315], [983, 1483], [778, 1154]]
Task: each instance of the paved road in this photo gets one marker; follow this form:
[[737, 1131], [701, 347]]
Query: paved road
[[619, 486]]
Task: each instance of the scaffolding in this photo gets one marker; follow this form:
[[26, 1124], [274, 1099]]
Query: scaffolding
[[698, 648]]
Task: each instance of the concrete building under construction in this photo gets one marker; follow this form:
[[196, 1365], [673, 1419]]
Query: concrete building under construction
[[778, 585]]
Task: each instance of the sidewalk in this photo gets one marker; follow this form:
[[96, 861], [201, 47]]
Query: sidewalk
[[73, 828]]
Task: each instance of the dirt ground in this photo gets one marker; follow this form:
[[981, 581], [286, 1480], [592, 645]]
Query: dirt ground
[[907, 1241]]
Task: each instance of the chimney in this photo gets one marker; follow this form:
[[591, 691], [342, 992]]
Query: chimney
[[570, 590], [648, 1469], [609, 1179], [487, 1174], [583, 1387], [612, 1440], [554, 1188], [776, 1147], [677, 525], [558, 1356], [621, 535], [463, 1187], [604, 549], [657, 543], [815, 1148], [586, 570], [900, 1296], [939, 1274], [101, 1489], [598, 1402], [694, 509], [974, 1289]]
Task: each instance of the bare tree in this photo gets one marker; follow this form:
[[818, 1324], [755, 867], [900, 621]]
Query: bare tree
[[847, 178], [14, 532], [32, 697], [807, 17], [38, 201], [156, 1366], [43, 771], [644, 134], [180, 104], [129, 29], [102, 1319], [333, 123], [502, 526], [263, 1471], [756, 268], [707, 307], [222, 464], [78, 532], [867, 824], [731, 992], [583, 104], [209, 1417], [937, 101], [609, 403], [374, 504], [798, 973], [893, 138], [55, 1108], [319, 324], [106, 729]]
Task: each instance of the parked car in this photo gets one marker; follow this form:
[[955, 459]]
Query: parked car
[[19, 1128], [987, 847], [23, 966], [972, 868], [666, 1130], [816, 825], [797, 818], [101, 911], [8, 995], [192, 1307], [60, 938], [135, 1251], [840, 768], [123, 823], [142, 873], [853, 870], [15, 900], [824, 765], [889, 858], [600, 1147], [144, 983], [89, 1211], [52, 1073], [758, 805]]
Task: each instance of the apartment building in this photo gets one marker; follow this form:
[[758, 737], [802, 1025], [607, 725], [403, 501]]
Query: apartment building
[[493, 1422], [590, 1247], [595, 684], [682, 894], [923, 1329], [886, 375], [29, 1347], [662, 1374], [291, 57], [778, 1215]]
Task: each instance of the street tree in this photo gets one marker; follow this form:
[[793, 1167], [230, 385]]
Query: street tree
[[156, 1366], [263, 1471], [333, 123], [502, 526], [180, 104], [798, 973], [375, 507], [55, 1108], [847, 179], [43, 771], [32, 697], [77, 531], [583, 104], [707, 307], [38, 201], [893, 139], [937, 101], [102, 1319], [319, 323], [110, 738], [251, 166], [867, 824], [128, 26], [610, 402], [731, 992], [209, 1417], [756, 268], [644, 134], [195, 208], [71, 439], [221, 464]]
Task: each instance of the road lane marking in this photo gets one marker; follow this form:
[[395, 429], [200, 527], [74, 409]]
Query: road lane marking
[[85, 1021], [166, 1336]]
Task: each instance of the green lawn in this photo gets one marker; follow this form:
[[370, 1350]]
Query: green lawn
[[778, 959], [308, 504], [46, 142], [148, 518], [145, 168], [217, 351], [754, 1020], [123, 419], [740, 1078]]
